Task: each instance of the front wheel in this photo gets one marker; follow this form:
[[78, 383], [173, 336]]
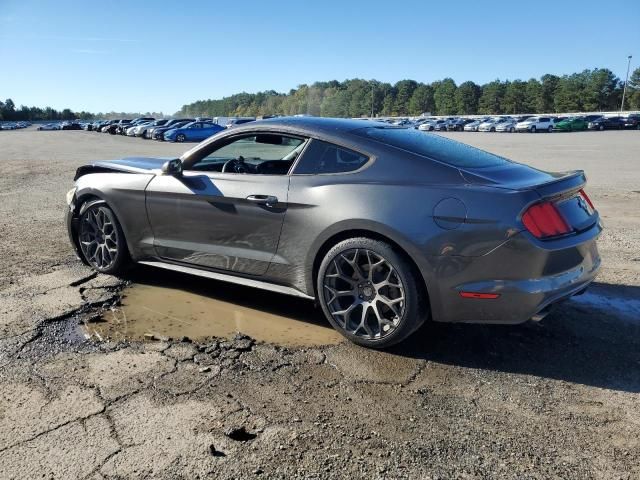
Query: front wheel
[[533, 129], [549, 129], [102, 241], [601, 127], [511, 130], [369, 293], [180, 138]]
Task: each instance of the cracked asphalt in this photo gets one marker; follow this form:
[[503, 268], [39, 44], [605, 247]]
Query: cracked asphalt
[[556, 399]]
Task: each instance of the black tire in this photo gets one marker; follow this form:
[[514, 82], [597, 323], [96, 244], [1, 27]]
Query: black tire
[[492, 129], [371, 297], [512, 130], [549, 129], [601, 127], [102, 240], [533, 129], [180, 137]]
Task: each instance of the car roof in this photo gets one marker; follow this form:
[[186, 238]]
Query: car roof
[[329, 126]]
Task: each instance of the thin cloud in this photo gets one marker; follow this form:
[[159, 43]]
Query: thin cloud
[[89, 51]]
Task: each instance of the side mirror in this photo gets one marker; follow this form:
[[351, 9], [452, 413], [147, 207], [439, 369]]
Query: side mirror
[[172, 167]]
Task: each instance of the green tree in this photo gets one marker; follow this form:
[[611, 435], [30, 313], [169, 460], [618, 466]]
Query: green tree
[[532, 92], [466, 98], [444, 97], [632, 100], [569, 94], [404, 89], [601, 90], [421, 100], [515, 97], [546, 99], [490, 102]]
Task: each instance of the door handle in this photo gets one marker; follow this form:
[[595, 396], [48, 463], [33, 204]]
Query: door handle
[[268, 200]]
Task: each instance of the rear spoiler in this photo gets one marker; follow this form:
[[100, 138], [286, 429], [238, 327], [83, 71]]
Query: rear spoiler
[[567, 182]]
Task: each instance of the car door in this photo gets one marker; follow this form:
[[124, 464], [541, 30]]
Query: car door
[[226, 220]]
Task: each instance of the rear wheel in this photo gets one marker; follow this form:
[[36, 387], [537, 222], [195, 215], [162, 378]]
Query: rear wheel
[[369, 293], [511, 130], [549, 129], [180, 138], [533, 129], [102, 241], [601, 127]]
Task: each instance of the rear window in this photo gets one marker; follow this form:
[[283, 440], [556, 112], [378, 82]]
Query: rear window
[[433, 146]]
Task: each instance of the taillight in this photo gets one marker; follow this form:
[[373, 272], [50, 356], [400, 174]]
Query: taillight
[[584, 195], [544, 220]]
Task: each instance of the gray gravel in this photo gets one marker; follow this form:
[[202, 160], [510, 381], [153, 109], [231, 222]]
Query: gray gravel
[[556, 399]]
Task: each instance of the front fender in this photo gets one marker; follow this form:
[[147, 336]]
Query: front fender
[[125, 194]]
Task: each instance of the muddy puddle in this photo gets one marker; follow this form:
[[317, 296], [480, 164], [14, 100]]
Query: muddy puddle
[[166, 304]]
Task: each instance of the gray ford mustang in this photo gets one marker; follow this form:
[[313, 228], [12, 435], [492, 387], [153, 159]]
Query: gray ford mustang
[[384, 226]]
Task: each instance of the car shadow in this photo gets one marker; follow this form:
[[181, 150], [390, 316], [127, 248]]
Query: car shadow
[[592, 341]]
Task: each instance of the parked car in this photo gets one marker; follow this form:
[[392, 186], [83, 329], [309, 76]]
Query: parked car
[[192, 132], [535, 124], [239, 121], [502, 242], [607, 123], [508, 125], [473, 126], [492, 124], [632, 121], [70, 126], [141, 130], [458, 124], [49, 126], [107, 126], [592, 117], [148, 134], [434, 125], [570, 124], [116, 127], [158, 132]]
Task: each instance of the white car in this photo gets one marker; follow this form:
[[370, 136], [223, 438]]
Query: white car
[[49, 126], [473, 126], [136, 130], [535, 124], [508, 126], [492, 124], [433, 125]]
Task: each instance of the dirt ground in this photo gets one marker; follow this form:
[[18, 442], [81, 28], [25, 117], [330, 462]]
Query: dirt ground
[[554, 399]]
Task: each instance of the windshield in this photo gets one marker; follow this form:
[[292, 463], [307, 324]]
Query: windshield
[[433, 146]]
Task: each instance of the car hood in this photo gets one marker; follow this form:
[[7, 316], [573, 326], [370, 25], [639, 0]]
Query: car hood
[[127, 165]]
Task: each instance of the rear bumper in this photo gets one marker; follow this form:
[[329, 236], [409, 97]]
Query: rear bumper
[[527, 276]]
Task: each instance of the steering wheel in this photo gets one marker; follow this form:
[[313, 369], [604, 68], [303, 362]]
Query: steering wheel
[[236, 165]]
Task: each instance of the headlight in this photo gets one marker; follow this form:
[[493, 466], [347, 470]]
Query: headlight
[[70, 194]]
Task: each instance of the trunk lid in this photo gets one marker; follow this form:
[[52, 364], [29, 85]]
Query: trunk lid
[[565, 190]]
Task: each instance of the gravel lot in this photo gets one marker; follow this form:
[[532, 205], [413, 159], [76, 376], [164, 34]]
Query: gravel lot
[[555, 399]]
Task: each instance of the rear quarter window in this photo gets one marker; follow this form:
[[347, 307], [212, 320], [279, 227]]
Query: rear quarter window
[[434, 147], [323, 157]]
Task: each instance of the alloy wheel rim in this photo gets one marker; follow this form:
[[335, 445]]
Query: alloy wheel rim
[[99, 238], [364, 294]]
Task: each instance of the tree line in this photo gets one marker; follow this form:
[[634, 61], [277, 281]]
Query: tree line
[[9, 112], [590, 90]]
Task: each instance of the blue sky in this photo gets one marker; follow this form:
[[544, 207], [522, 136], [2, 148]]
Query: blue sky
[[140, 55]]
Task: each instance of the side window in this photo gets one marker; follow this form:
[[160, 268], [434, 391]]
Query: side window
[[262, 154], [544, 119], [322, 157]]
